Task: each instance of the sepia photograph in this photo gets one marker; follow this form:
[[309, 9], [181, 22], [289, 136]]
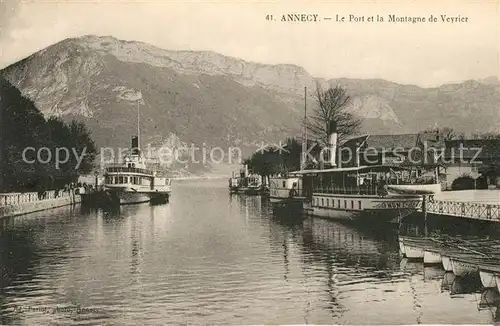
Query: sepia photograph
[[212, 162]]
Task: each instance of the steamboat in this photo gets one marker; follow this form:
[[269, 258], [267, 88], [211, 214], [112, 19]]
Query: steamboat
[[131, 181], [246, 183], [379, 192]]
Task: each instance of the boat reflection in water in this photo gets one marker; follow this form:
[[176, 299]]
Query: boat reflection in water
[[365, 271], [448, 279], [428, 272], [490, 301]]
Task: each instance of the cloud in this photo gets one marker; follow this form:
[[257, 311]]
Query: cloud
[[422, 54], [9, 9]]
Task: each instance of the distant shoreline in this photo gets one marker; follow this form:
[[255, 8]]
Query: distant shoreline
[[198, 178]]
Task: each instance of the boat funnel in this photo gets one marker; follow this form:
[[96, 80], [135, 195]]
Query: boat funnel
[[332, 143], [135, 145]]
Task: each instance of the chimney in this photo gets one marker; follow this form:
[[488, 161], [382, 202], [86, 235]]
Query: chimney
[[246, 170], [332, 142], [357, 150], [135, 145]]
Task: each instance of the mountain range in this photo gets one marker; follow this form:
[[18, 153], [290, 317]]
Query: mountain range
[[208, 99]]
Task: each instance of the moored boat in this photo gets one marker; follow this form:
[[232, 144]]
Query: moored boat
[[416, 247], [446, 261], [247, 183], [402, 246], [487, 274], [233, 184], [285, 192], [497, 281], [463, 267], [414, 250], [132, 182], [414, 189], [432, 256]]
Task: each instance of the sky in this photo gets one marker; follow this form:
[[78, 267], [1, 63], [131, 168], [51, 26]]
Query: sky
[[424, 54]]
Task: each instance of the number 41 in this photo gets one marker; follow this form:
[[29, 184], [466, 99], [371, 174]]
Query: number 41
[[269, 17]]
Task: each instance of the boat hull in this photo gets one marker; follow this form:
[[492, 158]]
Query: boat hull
[[287, 205], [463, 268], [497, 281], [250, 191], [414, 251], [402, 247], [488, 279], [361, 207], [125, 197], [432, 257], [446, 261]]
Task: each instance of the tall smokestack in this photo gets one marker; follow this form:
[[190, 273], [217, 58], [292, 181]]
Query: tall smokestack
[[332, 142], [135, 145]]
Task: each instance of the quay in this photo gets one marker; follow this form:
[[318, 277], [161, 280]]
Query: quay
[[469, 204], [14, 204]]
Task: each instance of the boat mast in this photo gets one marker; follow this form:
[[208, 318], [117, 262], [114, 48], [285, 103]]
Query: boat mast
[[304, 142], [138, 129]]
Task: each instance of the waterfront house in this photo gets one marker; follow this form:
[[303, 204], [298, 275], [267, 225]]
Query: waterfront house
[[414, 150], [475, 158], [389, 149]]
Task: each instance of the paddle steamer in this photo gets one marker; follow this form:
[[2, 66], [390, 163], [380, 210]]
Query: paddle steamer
[[384, 192]]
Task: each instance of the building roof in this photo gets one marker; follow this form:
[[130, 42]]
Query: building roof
[[478, 149], [392, 141], [374, 168], [380, 142]]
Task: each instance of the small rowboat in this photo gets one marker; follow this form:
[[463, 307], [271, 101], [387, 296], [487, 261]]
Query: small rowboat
[[432, 256], [465, 266], [428, 189], [487, 274]]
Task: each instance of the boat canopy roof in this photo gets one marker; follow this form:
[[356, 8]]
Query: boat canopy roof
[[360, 169]]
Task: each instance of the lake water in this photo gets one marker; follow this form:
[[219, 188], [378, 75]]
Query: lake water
[[210, 258]]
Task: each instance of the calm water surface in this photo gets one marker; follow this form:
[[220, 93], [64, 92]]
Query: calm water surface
[[209, 258]]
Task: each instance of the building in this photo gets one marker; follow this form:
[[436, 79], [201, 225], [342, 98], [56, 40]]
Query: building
[[478, 159], [389, 149]]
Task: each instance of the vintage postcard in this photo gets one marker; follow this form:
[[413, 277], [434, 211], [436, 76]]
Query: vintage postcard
[[171, 162]]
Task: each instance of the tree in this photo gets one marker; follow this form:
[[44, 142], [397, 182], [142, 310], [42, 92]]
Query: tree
[[332, 107], [24, 132], [486, 135], [446, 133], [275, 160]]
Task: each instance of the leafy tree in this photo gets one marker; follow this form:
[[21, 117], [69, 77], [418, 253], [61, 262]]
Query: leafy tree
[[332, 107], [446, 133], [22, 126], [274, 160]]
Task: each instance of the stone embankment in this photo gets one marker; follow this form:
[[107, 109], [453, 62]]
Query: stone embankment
[[12, 204]]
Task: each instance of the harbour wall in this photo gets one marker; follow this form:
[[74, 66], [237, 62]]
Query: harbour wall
[[13, 204]]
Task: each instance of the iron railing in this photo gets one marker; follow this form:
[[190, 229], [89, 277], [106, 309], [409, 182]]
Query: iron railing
[[351, 190], [124, 169], [464, 209]]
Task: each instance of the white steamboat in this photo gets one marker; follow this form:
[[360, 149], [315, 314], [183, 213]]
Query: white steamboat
[[132, 182]]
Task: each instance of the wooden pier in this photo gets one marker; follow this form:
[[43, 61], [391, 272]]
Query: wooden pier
[[470, 204]]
